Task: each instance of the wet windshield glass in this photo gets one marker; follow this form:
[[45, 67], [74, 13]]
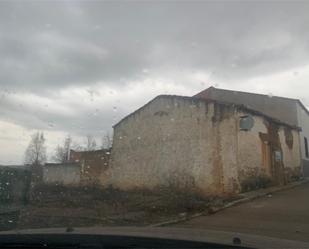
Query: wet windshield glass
[[135, 113]]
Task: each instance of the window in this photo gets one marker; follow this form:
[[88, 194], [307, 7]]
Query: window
[[306, 147]]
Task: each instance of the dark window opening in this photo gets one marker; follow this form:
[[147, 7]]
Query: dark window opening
[[306, 147]]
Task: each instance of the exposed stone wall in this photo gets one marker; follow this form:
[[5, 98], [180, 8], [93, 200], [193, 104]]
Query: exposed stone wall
[[249, 151], [291, 154], [93, 164], [260, 163]]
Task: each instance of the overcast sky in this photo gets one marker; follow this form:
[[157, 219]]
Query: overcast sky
[[79, 67]]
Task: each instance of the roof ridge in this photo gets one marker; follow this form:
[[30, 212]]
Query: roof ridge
[[240, 106]]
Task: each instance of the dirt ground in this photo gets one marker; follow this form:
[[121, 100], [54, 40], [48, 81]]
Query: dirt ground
[[58, 206]]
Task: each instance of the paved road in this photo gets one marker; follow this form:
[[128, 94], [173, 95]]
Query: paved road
[[283, 215]]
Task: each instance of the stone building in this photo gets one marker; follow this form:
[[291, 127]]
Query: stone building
[[291, 111], [203, 145]]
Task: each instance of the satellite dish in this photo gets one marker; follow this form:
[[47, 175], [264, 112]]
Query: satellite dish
[[246, 123]]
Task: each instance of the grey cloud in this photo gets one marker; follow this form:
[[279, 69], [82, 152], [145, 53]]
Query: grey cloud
[[235, 39], [48, 46], [76, 119]]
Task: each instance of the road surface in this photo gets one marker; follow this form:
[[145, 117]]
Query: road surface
[[284, 214]]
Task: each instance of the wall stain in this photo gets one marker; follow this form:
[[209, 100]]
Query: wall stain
[[272, 139]]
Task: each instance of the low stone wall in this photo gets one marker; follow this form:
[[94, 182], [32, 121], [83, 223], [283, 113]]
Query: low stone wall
[[14, 184]]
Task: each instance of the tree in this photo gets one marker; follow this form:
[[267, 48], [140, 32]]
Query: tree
[[107, 141], [62, 153], [36, 151], [90, 143]]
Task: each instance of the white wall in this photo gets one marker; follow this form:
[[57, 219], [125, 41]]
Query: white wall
[[68, 174], [303, 119]]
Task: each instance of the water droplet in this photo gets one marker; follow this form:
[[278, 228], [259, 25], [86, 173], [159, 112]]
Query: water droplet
[[193, 44], [107, 152], [270, 95], [10, 221], [172, 119], [145, 70], [96, 112], [139, 138], [114, 108]]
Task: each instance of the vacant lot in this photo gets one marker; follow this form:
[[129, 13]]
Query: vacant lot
[[58, 206]]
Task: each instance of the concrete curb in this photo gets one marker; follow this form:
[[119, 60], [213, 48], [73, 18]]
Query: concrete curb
[[249, 196]]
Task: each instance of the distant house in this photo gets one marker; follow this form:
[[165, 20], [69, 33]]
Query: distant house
[[209, 146], [92, 163], [291, 111]]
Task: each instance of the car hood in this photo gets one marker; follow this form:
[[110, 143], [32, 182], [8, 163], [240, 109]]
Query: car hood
[[196, 235]]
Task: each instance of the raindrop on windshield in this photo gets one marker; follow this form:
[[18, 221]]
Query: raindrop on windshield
[[193, 44], [145, 70], [270, 95], [96, 112]]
